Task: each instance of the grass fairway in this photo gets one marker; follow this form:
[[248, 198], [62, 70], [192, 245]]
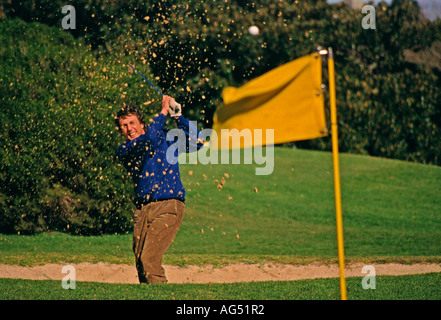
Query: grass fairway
[[390, 208], [411, 287], [391, 213]]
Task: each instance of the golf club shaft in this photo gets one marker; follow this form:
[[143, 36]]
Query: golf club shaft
[[175, 107], [146, 79]]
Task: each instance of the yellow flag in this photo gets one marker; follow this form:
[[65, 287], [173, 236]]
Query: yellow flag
[[288, 101]]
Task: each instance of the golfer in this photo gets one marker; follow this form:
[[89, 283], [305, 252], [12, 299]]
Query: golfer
[[159, 193]]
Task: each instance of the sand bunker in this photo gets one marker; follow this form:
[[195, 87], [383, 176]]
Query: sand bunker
[[241, 272]]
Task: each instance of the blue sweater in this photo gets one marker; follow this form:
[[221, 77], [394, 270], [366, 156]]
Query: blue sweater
[[146, 162]]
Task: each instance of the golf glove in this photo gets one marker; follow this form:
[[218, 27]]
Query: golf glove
[[175, 109]]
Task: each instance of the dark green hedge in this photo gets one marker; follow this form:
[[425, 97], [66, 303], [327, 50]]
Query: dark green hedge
[[58, 103]]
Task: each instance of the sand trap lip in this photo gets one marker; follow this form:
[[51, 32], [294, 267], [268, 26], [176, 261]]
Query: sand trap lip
[[240, 272]]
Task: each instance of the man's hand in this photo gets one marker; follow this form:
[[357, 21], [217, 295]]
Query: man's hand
[[175, 109], [165, 104]]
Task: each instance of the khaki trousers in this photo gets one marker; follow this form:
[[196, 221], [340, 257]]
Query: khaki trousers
[[156, 225]]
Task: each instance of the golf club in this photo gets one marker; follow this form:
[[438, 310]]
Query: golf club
[[174, 106]]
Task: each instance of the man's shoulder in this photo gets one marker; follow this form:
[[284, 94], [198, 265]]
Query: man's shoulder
[[121, 150]]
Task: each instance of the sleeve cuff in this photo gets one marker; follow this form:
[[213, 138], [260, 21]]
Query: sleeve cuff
[[179, 119]]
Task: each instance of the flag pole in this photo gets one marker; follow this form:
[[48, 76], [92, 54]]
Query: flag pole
[[337, 191]]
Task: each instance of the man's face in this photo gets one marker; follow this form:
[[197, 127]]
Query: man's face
[[130, 126]]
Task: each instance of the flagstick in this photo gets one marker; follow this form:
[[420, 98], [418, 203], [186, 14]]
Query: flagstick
[[338, 211]]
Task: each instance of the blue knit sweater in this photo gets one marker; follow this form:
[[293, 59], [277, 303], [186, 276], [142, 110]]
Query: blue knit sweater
[[145, 159]]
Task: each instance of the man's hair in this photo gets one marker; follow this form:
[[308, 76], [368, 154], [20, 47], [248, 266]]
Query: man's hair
[[128, 110]]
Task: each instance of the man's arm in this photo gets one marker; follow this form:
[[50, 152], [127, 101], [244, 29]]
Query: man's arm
[[132, 147], [194, 143], [166, 104]]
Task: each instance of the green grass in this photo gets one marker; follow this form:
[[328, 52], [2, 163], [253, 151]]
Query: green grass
[[391, 213], [390, 208], [410, 287]]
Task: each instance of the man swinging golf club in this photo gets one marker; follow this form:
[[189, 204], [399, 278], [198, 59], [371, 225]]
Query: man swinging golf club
[[159, 193]]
